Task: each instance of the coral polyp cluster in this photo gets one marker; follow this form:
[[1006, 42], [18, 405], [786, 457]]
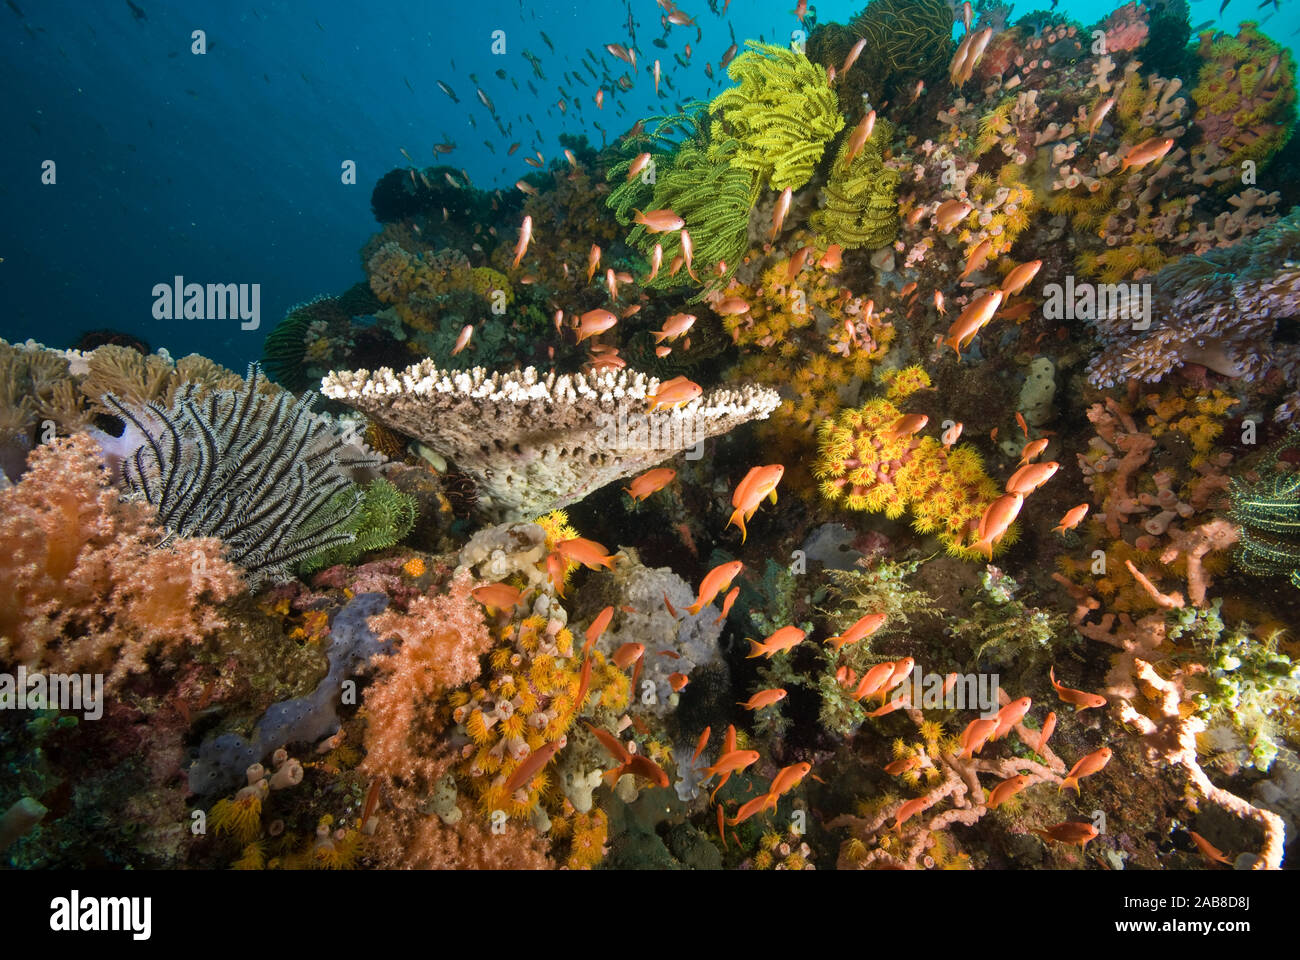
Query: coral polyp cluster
[[867, 461]]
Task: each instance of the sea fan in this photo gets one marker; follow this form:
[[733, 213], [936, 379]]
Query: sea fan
[[262, 473]]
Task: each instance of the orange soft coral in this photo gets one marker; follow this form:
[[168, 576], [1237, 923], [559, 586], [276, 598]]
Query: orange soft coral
[[83, 586], [441, 638]]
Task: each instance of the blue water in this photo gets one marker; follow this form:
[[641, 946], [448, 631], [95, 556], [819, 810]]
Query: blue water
[[226, 167]]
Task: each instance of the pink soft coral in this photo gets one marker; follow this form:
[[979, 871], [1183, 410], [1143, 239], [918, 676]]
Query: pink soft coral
[[83, 588]]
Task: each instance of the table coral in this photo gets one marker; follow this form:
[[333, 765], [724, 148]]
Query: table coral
[[534, 442]]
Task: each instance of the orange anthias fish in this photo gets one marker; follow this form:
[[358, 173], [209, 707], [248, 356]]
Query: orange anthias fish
[[757, 805], [1147, 152], [652, 481], [1000, 514], [659, 221], [972, 319], [831, 259], [864, 628], [1073, 517], [714, 582], [1070, 832], [950, 213], [1031, 476], [656, 261], [700, 745], [1007, 789], [1048, 726], [788, 778], [1089, 765], [463, 340], [640, 163], [499, 595], [783, 639], [678, 681], [589, 553], [898, 703], [861, 134], [758, 483], [976, 734], [1081, 699], [907, 425], [533, 765], [908, 810], [1209, 850], [731, 307], [778, 215], [597, 628], [611, 743], [642, 766], [1020, 277], [1010, 715], [1032, 449], [902, 670], [731, 762], [593, 261], [674, 393], [978, 257], [593, 323], [525, 235], [675, 326], [873, 680], [732, 594], [556, 566], [764, 698], [899, 767], [628, 654], [853, 55]]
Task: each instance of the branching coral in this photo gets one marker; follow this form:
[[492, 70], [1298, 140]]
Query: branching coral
[[783, 113], [83, 586], [1160, 706]]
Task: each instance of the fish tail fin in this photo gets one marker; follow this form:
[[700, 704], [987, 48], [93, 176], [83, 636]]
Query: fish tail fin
[[695, 608], [738, 518], [1059, 528], [659, 335], [755, 649], [1069, 782]]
